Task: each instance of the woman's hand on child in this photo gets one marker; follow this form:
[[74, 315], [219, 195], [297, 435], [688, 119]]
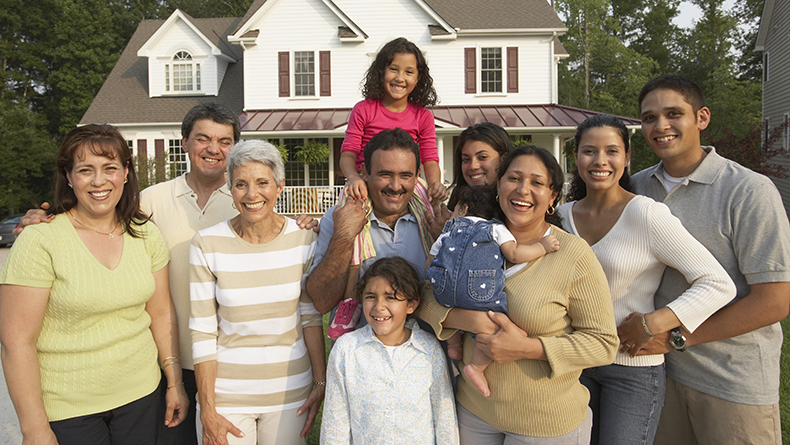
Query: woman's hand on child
[[357, 188], [437, 192], [441, 216], [510, 342], [312, 404]]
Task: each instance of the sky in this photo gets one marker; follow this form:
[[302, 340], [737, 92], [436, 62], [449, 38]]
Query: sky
[[690, 12]]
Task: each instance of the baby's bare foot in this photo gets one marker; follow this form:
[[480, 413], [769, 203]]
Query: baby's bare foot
[[475, 375]]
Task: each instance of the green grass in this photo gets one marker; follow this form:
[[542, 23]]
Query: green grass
[[315, 433], [784, 385]]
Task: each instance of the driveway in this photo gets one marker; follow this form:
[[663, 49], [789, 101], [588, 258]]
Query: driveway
[[9, 424]]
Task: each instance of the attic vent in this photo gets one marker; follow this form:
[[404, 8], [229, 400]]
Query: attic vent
[[345, 31]]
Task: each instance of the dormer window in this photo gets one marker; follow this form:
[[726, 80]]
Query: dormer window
[[182, 73]]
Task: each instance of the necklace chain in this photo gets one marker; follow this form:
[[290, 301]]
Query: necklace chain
[[109, 234]]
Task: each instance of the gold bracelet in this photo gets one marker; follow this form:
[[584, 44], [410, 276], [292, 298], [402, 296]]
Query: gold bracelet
[[317, 383], [170, 361], [176, 385]]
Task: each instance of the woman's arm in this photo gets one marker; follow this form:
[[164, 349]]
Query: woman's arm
[[21, 316], [446, 321], [215, 426], [314, 340], [164, 328]]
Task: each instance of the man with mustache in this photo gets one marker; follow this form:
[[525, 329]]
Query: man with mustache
[[391, 169]]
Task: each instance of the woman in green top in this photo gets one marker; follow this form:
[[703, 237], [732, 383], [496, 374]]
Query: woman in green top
[[85, 307]]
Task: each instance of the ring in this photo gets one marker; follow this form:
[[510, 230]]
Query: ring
[[627, 346]]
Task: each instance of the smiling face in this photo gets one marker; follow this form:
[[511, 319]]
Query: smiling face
[[254, 191], [391, 180], [601, 158], [672, 128], [479, 162], [207, 148], [97, 182], [400, 78], [524, 193], [386, 311]]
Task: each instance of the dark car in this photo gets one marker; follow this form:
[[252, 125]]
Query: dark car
[[6, 237]]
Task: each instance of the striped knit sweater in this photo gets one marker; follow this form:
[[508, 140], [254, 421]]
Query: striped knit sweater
[[563, 299], [248, 308]]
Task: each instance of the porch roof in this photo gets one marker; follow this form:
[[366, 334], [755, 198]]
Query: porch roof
[[528, 117]]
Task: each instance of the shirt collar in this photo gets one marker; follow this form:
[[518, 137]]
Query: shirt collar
[[407, 217], [182, 188], [705, 173], [420, 342]]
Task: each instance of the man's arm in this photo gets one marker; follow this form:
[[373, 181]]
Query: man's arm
[[327, 281], [766, 304]]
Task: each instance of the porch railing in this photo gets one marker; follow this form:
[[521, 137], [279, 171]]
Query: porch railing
[[312, 200]]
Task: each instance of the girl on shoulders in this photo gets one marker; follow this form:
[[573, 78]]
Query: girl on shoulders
[[398, 89], [388, 382], [634, 239]]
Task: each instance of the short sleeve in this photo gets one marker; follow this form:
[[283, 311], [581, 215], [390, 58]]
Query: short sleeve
[[156, 247], [30, 261]]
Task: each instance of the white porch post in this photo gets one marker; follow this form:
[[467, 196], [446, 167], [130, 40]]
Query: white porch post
[[440, 149], [555, 148]]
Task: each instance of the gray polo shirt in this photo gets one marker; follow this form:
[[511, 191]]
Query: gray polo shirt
[[738, 215]]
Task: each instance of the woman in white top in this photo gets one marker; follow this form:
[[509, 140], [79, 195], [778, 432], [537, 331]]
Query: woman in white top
[[635, 239]]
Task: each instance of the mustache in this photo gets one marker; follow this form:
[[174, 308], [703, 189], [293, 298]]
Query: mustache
[[389, 191]]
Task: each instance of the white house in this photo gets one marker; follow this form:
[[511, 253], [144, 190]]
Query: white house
[[773, 39], [292, 70]]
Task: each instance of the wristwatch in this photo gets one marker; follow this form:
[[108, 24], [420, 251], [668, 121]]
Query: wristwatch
[[677, 340]]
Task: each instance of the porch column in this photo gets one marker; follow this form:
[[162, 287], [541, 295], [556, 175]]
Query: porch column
[[440, 149], [555, 148]]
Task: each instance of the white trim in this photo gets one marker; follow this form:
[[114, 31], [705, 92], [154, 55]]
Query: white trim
[[442, 22], [502, 71], [292, 74], [147, 49], [765, 22], [511, 32], [258, 15]]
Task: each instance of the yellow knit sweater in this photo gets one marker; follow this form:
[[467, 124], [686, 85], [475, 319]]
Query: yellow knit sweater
[[562, 299], [95, 348]]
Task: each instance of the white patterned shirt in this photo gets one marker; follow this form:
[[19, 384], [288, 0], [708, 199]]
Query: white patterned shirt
[[372, 399]]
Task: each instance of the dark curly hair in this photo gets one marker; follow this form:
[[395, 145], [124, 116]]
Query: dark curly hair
[[485, 132], [480, 201], [423, 94], [399, 273], [578, 188]]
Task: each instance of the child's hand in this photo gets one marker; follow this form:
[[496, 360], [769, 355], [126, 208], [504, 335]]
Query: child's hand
[[356, 188], [550, 244], [437, 192]]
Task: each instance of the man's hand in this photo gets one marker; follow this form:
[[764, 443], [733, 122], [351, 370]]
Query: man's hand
[[436, 223], [657, 345], [33, 217], [350, 218]]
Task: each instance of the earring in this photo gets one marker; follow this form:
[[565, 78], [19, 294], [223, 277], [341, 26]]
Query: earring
[[497, 196], [551, 210], [125, 180], [71, 185], [233, 204]]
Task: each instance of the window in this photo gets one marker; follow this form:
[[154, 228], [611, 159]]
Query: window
[[304, 73], [182, 73], [299, 75], [319, 174], [765, 66], [176, 158], [496, 69], [294, 170], [491, 70]]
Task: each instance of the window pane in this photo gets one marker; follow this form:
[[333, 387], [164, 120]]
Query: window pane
[[304, 73], [182, 77], [491, 70], [176, 158], [294, 170], [319, 174]]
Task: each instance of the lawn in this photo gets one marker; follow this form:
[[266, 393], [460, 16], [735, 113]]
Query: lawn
[[784, 389]]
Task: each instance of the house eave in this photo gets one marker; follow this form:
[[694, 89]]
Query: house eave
[[510, 32]]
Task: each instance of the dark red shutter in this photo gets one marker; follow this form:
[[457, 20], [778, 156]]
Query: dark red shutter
[[284, 73], [470, 71], [325, 73], [159, 155], [142, 158], [512, 70]]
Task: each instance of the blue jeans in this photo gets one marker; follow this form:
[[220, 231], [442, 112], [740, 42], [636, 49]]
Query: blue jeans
[[626, 402]]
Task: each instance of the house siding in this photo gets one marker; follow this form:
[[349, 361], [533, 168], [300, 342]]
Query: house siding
[[776, 94], [182, 38]]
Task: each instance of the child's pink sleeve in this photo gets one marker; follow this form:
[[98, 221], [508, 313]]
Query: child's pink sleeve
[[355, 129], [427, 135]]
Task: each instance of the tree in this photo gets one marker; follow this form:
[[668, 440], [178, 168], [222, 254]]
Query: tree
[[28, 154]]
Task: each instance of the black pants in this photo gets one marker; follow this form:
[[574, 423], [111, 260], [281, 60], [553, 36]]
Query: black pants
[[186, 432], [132, 424]]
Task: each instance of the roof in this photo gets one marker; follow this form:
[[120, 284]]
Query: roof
[[765, 24], [509, 116], [497, 14], [123, 99]]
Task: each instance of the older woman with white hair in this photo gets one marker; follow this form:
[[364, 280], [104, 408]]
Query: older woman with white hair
[[257, 340]]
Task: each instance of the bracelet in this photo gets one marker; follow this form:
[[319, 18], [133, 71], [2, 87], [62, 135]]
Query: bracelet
[[647, 329], [170, 361], [176, 385], [317, 383]]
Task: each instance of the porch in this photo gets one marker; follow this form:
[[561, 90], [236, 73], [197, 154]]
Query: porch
[[307, 200]]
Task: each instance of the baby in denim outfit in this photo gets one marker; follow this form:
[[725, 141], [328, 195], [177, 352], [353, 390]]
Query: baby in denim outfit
[[466, 266]]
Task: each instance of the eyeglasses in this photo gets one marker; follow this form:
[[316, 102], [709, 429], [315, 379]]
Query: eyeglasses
[[204, 141]]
